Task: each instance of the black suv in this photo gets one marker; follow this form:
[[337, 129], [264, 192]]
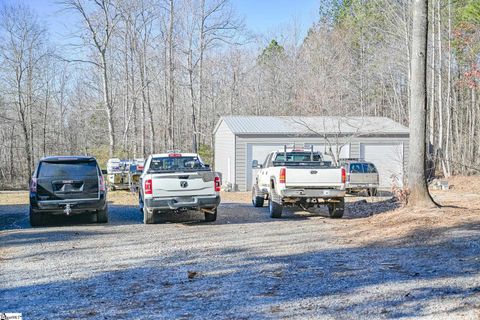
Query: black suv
[[65, 186]]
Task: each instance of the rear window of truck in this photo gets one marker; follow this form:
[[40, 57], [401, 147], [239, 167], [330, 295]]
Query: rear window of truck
[[297, 157], [362, 168], [175, 163], [67, 169]]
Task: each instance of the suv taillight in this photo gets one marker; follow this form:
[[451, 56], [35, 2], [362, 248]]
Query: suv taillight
[[344, 175], [33, 185], [148, 186], [101, 183], [283, 175], [217, 184]]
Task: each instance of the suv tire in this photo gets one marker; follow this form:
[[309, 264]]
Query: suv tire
[[102, 215], [37, 219]]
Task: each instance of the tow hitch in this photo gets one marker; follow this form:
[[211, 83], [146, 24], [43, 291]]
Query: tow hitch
[[67, 209]]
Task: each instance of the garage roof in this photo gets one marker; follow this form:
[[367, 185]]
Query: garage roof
[[312, 125]]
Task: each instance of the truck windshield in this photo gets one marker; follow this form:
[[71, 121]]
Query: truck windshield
[[175, 163], [68, 169], [298, 157]]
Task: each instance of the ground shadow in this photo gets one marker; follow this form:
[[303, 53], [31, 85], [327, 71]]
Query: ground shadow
[[371, 281]]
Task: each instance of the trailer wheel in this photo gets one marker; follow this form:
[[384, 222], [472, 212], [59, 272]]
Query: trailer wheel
[[256, 200], [336, 209], [275, 207], [148, 217]]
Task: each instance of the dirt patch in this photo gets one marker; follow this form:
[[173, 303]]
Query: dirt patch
[[239, 197], [122, 197], [13, 197], [418, 225], [470, 184]]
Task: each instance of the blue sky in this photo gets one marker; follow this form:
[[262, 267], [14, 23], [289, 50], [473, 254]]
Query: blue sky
[[261, 16]]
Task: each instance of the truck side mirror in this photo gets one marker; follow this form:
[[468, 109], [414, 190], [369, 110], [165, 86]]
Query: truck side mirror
[[256, 165], [207, 166]]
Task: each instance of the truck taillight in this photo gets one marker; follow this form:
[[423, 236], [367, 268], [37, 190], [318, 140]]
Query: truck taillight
[[217, 184], [148, 186], [33, 185], [101, 183], [344, 175], [283, 175]]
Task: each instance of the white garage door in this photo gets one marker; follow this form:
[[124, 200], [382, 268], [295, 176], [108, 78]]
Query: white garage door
[[388, 158], [260, 151]]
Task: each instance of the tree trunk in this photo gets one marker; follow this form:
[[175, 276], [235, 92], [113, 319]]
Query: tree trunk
[[107, 104], [171, 89], [419, 195]]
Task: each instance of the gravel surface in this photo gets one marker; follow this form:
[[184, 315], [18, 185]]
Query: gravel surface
[[243, 266]]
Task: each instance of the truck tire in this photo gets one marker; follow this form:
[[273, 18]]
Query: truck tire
[[256, 200], [336, 210], [210, 217], [372, 192], [102, 215], [148, 217], [37, 219], [274, 207]]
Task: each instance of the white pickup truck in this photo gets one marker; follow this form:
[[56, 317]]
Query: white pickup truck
[[178, 182], [297, 177]]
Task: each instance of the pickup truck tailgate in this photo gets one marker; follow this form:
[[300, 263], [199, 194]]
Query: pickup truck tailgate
[[313, 177], [184, 184]]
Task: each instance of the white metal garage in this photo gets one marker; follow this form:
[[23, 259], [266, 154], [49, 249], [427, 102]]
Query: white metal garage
[[241, 139], [388, 158]]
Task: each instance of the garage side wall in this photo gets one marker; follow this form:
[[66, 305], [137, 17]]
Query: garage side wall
[[225, 154]]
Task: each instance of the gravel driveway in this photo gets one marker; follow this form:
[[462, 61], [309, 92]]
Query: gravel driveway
[[243, 266]]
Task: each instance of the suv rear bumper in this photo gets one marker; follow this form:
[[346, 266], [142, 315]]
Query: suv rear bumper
[[59, 207], [312, 193], [177, 203]]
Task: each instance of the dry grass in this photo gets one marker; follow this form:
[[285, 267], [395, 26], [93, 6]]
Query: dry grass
[[13, 197], [459, 206]]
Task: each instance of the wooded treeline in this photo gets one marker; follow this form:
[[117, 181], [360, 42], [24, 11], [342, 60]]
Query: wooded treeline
[[144, 76]]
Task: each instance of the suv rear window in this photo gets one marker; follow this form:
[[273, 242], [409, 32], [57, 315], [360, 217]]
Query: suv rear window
[[67, 169], [175, 163]]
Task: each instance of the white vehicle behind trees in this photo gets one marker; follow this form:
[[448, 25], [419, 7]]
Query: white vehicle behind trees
[[298, 177], [178, 182]]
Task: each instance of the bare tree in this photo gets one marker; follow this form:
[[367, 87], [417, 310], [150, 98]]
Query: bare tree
[[22, 50], [100, 25]]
